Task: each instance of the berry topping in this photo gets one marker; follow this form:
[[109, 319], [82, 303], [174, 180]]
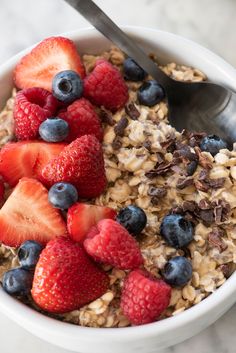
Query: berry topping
[[48, 58], [65, 278], [110, 243], [82, 120], [67, 86], [26, 159], [28, 253], [176, 230], [62, 195], [54, 130], [144, 297], [132, 71], [133, 218], [81, 217], [27, 215], [177, 271], [150, 93], [212, 144], [17, 281], [81, 164], [105, 86], [32, 106]]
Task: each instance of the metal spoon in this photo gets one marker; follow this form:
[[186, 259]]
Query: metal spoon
[[202, 106]]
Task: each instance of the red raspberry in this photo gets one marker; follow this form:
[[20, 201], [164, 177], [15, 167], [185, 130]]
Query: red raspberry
[[105, 86], [32, 107], [82, 120], [81, 164], [110, 243], [144, 297]]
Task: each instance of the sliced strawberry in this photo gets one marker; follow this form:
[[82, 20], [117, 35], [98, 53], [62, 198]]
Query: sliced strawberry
[[26, 159], [27, 215], [82, 217], [49, 57]]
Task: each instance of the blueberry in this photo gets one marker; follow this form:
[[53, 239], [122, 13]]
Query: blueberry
[[176, 230], [28, 253], [67, 86], [133, 218], [212, 144], [132, 71], [54, 130], [62, 195], [177, 271], [150, 93], [17, 281]]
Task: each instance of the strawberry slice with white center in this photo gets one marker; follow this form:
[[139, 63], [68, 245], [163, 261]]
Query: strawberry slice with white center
[[82, 217], [49, 57], [28, 215]]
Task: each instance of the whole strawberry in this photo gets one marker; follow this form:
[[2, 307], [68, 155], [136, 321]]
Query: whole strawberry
[[82, 120], [65, 278], [32, 106], [110, 243], [81, 164], [105, 86], [144, 297]]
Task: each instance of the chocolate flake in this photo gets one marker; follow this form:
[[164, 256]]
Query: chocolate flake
[[184, 182], [160, 157], [192, 167], [160, 170], [132, 111], [215, 239], [216, 183], [106, 118], [190, 206], [169, 144], [185, 152], [157, 192], [148, 145], [119, 129], [116, 144], [203, 159], [226, 270]]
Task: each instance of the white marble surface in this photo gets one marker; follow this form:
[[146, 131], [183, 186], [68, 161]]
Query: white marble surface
[[209, 22]]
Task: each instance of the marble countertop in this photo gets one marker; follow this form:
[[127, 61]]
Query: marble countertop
[[210, 23]]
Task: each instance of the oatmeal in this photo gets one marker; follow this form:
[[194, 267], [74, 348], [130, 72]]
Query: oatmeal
[[151, 165]]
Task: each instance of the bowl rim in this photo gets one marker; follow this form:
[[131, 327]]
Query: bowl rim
[[26, 316]]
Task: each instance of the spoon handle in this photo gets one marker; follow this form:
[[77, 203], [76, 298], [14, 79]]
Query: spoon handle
[[89, 10]]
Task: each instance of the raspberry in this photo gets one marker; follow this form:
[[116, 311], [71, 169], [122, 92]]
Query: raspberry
[[32, 107], [81, 164], [144, 297], [110, 243], [82, 120], [105, 86]]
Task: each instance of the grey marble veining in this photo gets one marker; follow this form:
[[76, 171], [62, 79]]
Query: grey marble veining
[[209, 22]]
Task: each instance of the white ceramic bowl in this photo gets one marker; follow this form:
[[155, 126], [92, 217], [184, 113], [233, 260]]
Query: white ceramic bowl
[[148, 338]]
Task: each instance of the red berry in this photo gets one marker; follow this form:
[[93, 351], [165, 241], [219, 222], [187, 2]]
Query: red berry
[[105, 86], [82, 120], [65, 278], [144, 297], [27, 215], [49, 57], [32, 106], [110, 243], [81, 217], [81, 164]]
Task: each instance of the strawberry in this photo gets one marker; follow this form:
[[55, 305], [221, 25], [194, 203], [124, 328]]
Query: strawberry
[[52, 55], [110, 243], [65, 278], [26, 159], [82, 120], [27, 215], [81, 217], [32, 106], [81, 164], [144, 297], [105, 86]]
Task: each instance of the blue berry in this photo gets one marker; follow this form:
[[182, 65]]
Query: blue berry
[[54, 130], [62, 195], [17, 281], [177, 271], [212, 144], [28, 253], [176, 230], [150, 93], [132, 71], [67, 86], [132, 218]]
